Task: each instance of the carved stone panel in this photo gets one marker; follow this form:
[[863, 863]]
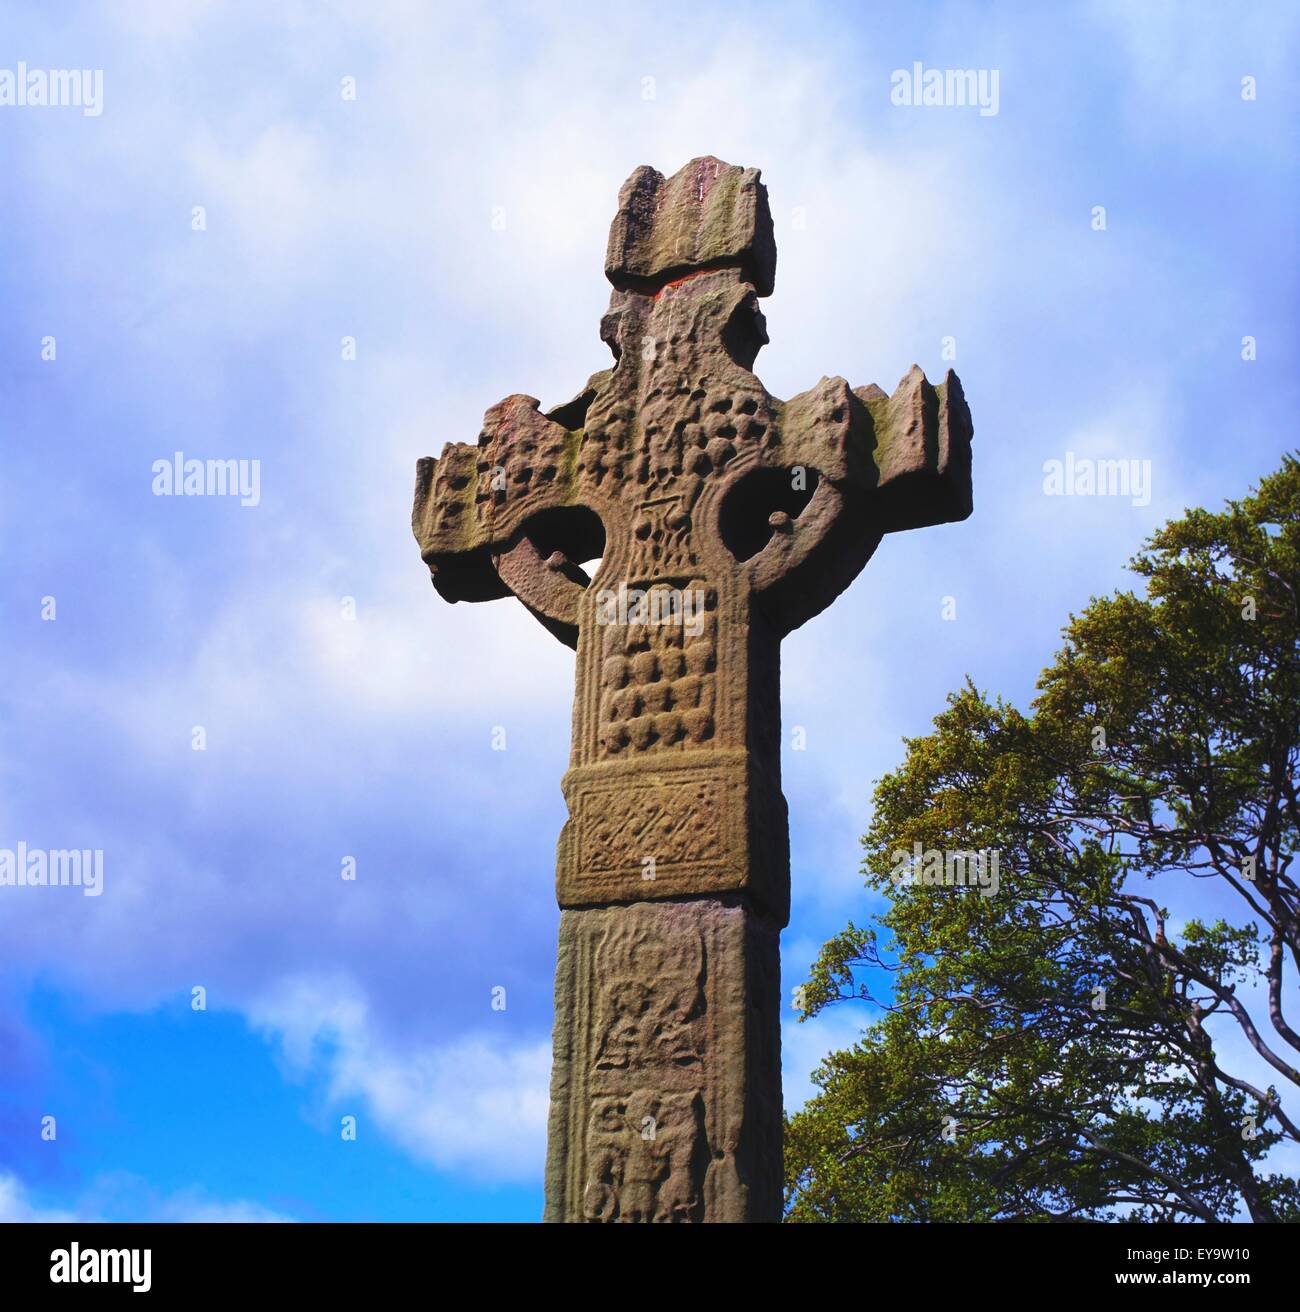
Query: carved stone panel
[[697, 822], [665, 1089], [657, 679]]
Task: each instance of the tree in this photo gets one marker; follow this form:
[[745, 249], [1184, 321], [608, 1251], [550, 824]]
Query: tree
[[1056, 1044]]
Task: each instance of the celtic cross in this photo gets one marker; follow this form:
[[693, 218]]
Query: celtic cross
[[722, 518]]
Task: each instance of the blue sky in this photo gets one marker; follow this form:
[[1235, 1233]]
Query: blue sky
[[328, 737]]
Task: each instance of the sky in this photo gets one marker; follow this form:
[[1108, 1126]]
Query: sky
[[326, 238]]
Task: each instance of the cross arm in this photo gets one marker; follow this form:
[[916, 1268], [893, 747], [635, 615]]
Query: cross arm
[[882, 463], [920, 459], [503, 517]]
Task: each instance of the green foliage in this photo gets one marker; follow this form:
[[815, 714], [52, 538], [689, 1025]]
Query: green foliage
[[1044, 1051]]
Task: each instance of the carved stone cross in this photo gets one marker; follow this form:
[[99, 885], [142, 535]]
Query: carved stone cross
[[723, 518]]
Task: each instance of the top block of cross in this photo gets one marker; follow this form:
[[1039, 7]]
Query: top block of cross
[[709, 215], [676, 466]]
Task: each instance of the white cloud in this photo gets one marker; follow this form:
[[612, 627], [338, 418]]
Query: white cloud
[[99, 1199], [477, 1104], [804, 1046], [1183, 87], [15, 1204], [194, 1207]]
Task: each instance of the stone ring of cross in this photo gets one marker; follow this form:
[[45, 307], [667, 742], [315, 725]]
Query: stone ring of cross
[[722, 519]]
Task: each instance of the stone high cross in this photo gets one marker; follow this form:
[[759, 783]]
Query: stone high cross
[[723, 518]]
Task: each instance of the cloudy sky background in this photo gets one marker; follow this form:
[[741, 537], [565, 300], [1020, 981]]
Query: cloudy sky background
[[371, 738]]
